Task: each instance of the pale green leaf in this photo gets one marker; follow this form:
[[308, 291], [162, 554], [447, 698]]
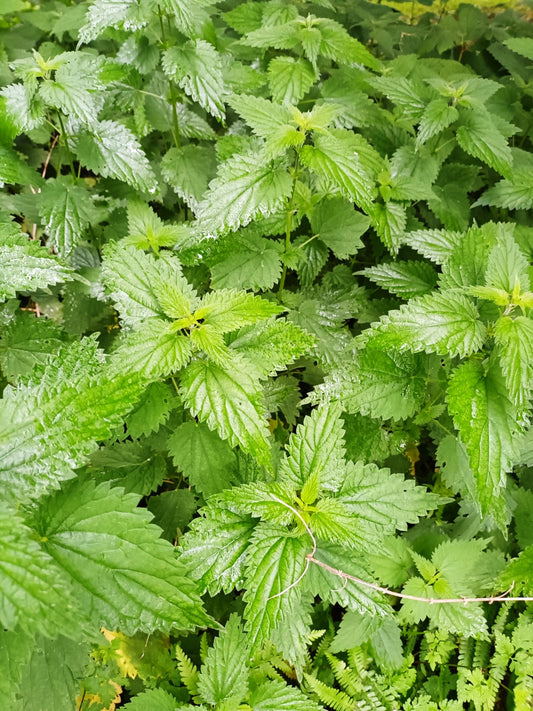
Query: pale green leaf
[[265, 118], [66, 207], [197, 68], [316, 449], [290, 79], [337, 160], [188, 171], [153, 699], [207, 461], [513, 194], [437, 116], [405, 279], [435, 245], [112, 150], [117, 565], [153, 350], [479, 137], [276, 695], [214, 550], [223, 675], [71, 95], [487, 422], [276, 559], [409, 95], [113, 13], [244, 190], [228, 309], [253, 263], [339, 226], [383, 502], [507, 266], [514, 338], [445, 323], [229, 401], [189, 15], [521, 45], [272, 345]]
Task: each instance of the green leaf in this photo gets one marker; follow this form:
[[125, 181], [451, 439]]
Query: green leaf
[[244, 190], [118, 567], [55, 665], [67, 210], [437, 116], [521, 45], [134, 466], [228, 309], [290, 79], [507, 266], [14, 170], [173, 511], [487, 422], [334, 588], [272, 345], [383, 502], [276, 695], [151, 410], [479, 137], [316, 449], [197, 68], [389, 221], [513, 194], [25, 265], [152, 699], [435, 245], [111, 150], [338, 161], [214, 550], [514, 338], [32, 591], [276, 559], [253, 263], [26, 342], [39, 447], [405, 279], [445, 323], [381, 383], [230, 402], [189, 15], [113, 13], [223, 676], [408, 95], [265, 118], [519, 573], [207, 461], [154, 350], [339, 226], [188, 171]]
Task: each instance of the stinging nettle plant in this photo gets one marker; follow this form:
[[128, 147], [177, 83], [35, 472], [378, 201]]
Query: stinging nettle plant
[[266, 352]]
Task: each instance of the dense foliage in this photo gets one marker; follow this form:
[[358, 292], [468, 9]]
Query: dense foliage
[[266, 354]]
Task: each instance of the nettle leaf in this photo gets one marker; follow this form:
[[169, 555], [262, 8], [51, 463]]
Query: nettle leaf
[[507, 266], [514, 338], [207, 461], [223, 675], [67, 209], [487, 421], [215, 547], [155, 699], [39, 446], [275, 695], [479, 137], [435, 245], [519, 573], [389, 220], [151, 410], [437, 116], [115, 561], [339, 226], [244, 190], [405, 279], [102, 14], [446, 323], [275, 560], [337, 159], [228, 309], [334, 588], [388, 384], [520, 45], [383, 502], [25, 265], [188, 170], [32, 591], [253, 263], [229, 401], [271, 345], [197, 68], [189, 15], [112, 150], [316, 450], [13, 169], [290, 79]]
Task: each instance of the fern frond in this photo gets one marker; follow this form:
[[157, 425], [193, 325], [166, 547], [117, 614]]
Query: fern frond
[[188, 671], [336, 700]]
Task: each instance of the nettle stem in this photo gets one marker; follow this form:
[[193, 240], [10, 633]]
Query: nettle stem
[[288, 224], [64, 141], [173, 97], [310, 559]]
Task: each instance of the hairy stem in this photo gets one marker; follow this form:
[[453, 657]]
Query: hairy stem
[[64, 140], [288, 224]]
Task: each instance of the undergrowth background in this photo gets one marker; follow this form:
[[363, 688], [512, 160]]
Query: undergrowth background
[[266, 355]]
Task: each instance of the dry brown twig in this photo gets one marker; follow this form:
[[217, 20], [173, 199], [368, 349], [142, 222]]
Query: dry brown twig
[[310, 558]]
